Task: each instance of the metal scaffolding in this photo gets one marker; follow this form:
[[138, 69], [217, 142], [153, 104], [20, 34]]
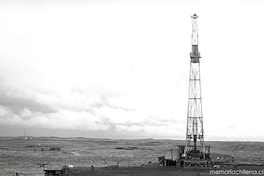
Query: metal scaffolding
[[194, 146]]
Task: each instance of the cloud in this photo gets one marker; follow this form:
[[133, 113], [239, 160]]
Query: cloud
[[121, 116], [4, 111], [61, 119], [66, 108], [129, 128], [65, 119], [25, 113]]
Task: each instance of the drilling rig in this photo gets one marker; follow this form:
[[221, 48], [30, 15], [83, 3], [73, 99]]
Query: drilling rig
[[194, 153]]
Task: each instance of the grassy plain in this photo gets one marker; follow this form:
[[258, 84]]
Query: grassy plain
[[17, 154]]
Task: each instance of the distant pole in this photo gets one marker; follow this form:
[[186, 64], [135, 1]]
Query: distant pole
[[25, 134], [194, 131], [171, 154]]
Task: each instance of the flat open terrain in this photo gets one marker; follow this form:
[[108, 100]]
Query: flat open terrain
[[17, 154]]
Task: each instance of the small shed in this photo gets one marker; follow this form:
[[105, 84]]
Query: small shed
[[170, 159]]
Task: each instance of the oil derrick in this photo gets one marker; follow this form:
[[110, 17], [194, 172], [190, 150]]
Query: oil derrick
[[194, 149]]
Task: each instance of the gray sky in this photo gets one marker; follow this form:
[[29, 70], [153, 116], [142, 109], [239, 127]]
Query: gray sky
[[120, 69]]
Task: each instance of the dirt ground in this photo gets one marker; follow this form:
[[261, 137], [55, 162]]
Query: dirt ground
[[17, 154]]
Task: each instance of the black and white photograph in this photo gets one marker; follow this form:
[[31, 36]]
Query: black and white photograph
[[131, 87]]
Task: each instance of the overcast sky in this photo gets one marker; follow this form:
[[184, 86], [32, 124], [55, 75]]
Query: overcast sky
[[119, 69]]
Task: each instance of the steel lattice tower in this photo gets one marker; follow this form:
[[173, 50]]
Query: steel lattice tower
[[194, 131]]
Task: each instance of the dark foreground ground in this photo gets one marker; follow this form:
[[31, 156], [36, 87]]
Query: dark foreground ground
[[17, 154], [168, 171]]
